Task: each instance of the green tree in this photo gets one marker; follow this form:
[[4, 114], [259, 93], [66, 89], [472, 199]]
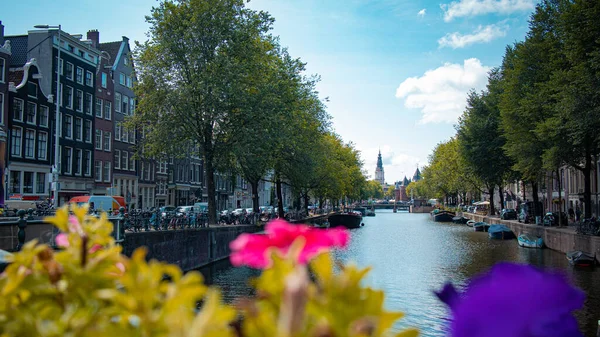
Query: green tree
[[187, 74]]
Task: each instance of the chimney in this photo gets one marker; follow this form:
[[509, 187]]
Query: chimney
[[1, 34], [94, 36]]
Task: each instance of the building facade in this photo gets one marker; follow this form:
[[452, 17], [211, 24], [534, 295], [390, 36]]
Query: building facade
[[379, 173], [5, 55]]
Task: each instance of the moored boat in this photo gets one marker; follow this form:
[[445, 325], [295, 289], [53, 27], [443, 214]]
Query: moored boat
[[370, 213], [442, 216], [470, 223], [481, 226], [530, 241], [500, 232], [581, 259], [348, 220], [460, 219]]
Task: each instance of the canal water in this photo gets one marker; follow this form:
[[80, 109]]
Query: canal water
[[412, 256]]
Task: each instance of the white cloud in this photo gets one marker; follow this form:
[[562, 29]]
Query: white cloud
[[480, 35], [422, 12], [395, 165], [441, 93], [463, 8]]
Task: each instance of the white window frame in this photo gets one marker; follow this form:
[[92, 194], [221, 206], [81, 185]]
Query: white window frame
[[44, 120], [70, 102], [107, 136], [71, 77], [34, 113], [80, 129], [101, 107], [1, 108], [131, 106], [117, 159], [36, 89], [80, 163], [108, 108], [77, 74], [131, 162], [117, 102], [98, 144], [96, 175], [125, 109], [132, 137], [122, 80], [89, 83], [125, 161], [89, 107], [107, 165], [79, 106], [33, 141], [117, 132], [70, 161], [89, 163], [88, 137], [104, 80], [70, 128], [20, 119], [42, 134], [124, 135]]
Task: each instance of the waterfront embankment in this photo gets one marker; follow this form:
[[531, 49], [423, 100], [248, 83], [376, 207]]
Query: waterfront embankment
[[562, 239]]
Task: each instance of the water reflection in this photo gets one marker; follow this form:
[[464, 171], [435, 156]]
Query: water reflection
[[412, 256]]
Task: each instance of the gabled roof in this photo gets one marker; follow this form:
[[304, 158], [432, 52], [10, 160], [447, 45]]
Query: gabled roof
[[112, 48], [18, 44]]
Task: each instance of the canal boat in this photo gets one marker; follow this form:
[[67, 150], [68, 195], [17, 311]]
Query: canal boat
[[581, 259], [460, 219], [442, 216], [348, 220], [530, 241], [500, 232], [470, 223], [481, 226], [361, 210], [370, 212]]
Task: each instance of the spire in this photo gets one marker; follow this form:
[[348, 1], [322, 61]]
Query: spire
[[379, 161]]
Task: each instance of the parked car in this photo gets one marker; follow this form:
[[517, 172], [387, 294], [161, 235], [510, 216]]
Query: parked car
[[167, 210], [527, 213], [508, 214]]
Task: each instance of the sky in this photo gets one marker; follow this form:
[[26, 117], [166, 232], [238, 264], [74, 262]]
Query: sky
[[396, 73]]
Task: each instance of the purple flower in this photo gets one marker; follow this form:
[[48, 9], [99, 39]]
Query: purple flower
[[514, 300]]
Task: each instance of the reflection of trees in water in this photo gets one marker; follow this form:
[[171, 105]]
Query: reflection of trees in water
[[234, 282]]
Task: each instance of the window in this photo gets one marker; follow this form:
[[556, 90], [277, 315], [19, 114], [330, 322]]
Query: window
[[107, 110], [148, 171], [98, 170], [15, 139], [131, 106], [68, 157], [87, 163], [125, 162], [117, 159], [129, 82], [107, 171], [15, 182], [107, 140], [89, 98], [29, 144], [42, 147], [2, 67], [131, 163], [44, 115], [121, 79], [79, 75], [32, 90], [78, 163], [89, 79], [61, 94], [69, 73], [79, 100], [27, 182], [78, 128], [98, 140], [69, 97], [18, 109], [31, 112], [117, 132], [99, 107], [104, 80], [68, 130], [40, 183], [125, 109], [132, 136], [117, 102], [126, 60], [87, 131], [124, 136], [1, 108], [62, 65]]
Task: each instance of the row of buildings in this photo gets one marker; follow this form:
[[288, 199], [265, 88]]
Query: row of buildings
[[96, 153]]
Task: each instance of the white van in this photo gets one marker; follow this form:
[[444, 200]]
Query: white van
[[201, 207]]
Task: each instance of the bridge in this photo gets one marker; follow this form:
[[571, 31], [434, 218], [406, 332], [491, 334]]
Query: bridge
[[399, 207]]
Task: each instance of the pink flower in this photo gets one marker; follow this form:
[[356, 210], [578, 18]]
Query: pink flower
[[253, 249], [74, 225], [62, 240]]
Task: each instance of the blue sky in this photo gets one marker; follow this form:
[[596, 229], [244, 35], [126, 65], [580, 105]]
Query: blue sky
[[396, 72]]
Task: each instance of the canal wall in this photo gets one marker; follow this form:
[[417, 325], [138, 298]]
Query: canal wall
[[562, 239], [187, 248]]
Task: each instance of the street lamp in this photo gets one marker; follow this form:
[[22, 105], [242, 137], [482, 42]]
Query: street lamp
[[56, 167]]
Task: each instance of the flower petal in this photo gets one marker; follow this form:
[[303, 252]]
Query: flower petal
[[62, 240]]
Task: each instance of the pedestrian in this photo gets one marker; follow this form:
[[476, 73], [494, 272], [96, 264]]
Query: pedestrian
[[571, 214], [577, 214]]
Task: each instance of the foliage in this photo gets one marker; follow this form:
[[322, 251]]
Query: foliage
[[371, 190], [90, 289]]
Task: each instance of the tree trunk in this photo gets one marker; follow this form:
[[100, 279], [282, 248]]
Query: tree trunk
[[306, 201], [558, 180], [321, 201], [492, 210], [587, 180], [280, 211], [501, 194], [210, 187], [536, 199], [255, 201]]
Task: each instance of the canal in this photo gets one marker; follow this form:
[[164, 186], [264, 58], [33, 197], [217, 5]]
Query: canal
[[412, 256]]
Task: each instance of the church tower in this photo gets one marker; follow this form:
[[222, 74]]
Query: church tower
[[379, 175]]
